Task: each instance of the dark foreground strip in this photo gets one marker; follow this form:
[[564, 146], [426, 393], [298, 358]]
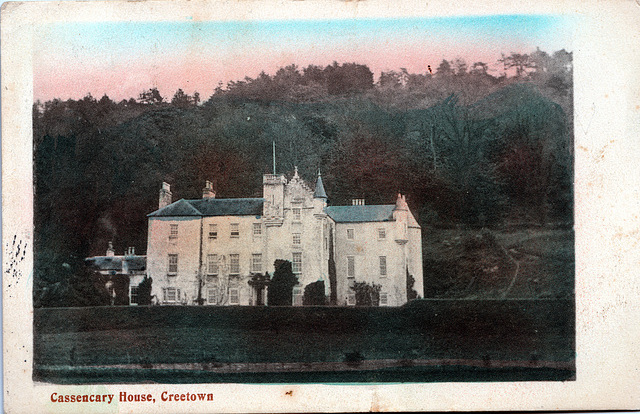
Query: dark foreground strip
[[323, 366]]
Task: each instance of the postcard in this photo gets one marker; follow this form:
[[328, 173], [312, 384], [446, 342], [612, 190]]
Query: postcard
[[279, 206]]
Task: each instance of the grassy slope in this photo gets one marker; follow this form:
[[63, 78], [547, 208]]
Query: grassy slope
[[481, 265]]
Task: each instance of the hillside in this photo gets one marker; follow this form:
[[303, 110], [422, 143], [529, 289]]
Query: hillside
[[503, 160]]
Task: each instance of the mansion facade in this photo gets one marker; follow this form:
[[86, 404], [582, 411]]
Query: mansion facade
[[214, 251]]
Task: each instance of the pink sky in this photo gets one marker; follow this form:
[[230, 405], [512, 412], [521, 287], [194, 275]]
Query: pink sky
[[123, 59]]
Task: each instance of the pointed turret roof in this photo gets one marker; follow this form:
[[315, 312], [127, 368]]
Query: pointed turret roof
[[319, 193]]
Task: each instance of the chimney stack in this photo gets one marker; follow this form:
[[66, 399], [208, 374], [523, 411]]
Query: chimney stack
[[110, 251], [357, 202], [131, 251], [165, 195], [207, 191]]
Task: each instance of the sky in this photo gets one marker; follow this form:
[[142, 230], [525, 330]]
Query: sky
[[122, 59]]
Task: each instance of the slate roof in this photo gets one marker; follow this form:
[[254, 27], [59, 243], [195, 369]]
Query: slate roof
[[361, 214], [115, 262], [212, 207]]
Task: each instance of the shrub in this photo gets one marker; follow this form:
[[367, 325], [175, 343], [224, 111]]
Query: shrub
[[144, 291], [314, 294], [282, 283], [367, 294]]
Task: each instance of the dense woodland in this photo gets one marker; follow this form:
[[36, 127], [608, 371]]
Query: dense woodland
[[469, 149]]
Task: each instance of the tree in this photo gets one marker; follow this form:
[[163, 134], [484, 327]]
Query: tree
[[367, 294], [151, 97], [348, 78], [181, 99], [540, 61], [479, 69], [460, 66], [390, 79], [282, 283], [520, 62], [314, 294], [445, 69], [333, 278], [144, 291], [411, 292]]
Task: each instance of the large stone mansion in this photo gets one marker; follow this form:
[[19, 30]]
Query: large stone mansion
[[210, 249]]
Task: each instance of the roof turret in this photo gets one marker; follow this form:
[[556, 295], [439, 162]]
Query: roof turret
[[319, 193]]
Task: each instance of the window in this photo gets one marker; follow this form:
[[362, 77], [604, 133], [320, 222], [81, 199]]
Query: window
[[351, 298], [351, 266], [296, 238], [296, 214], [297, 262], [383, 266], [173, 231], [213, 231], [256, 262], [173, 264], [235, 230], [234, 296], [257, 229], [384, 299], [171, 294], [350, 234], [297, 296], [212, 264], [212, 296], [234, 264], [382, 234], [133, 295]]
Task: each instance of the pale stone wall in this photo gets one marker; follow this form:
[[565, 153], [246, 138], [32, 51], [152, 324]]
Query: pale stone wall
[[245, 245], [366, 248], [401, 247], [186, 245]]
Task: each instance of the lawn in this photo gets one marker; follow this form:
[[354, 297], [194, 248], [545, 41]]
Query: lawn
[[417, 342]]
